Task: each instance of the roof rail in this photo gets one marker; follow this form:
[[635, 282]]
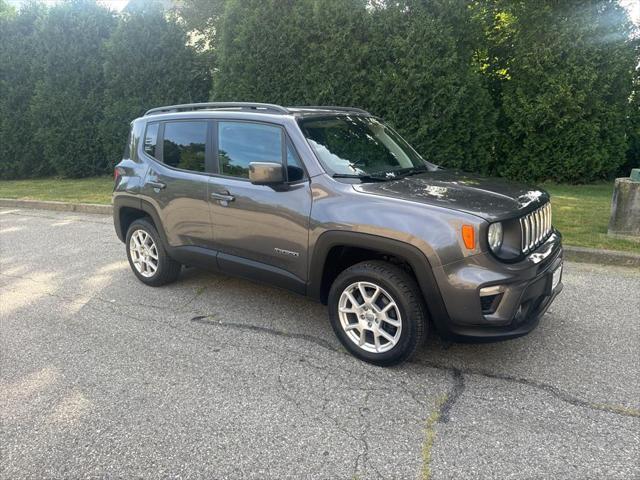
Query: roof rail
[[340, 109], [260, 107]]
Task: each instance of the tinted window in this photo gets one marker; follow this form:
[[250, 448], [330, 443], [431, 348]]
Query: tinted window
[[239, 144], [150, 139], [295, 171], [184, 145], [127, 148], [137, 131]]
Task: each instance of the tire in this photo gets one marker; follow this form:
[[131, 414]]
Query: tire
[[166, 270], [405, 321]]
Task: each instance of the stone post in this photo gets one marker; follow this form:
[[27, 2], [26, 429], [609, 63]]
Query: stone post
[[625, 208]]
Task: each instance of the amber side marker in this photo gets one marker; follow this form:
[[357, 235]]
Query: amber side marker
[[469, 236]]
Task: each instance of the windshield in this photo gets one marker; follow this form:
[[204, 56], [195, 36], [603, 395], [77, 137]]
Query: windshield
[[354, 145]]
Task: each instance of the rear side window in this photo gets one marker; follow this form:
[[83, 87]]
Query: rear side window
[[184, 145], [151, 139], [240, 143]]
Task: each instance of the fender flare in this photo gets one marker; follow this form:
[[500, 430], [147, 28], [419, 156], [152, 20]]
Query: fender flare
[[407, 252], [121, 202]]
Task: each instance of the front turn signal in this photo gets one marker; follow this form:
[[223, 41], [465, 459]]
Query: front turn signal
[[469, 236]]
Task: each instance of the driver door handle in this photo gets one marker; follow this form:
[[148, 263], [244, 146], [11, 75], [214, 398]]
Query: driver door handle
[[224, 196]]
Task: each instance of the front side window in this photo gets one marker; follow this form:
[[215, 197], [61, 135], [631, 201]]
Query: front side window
[[353, 145], [241, 143], [184, 145]]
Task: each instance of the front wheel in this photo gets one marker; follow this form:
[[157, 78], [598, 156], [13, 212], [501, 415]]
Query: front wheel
[[378, 313]]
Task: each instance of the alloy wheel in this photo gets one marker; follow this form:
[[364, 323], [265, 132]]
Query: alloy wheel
[[144, 253], [370, 317]]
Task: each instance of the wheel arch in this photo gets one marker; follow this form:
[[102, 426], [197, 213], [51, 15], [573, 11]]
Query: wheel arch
[[322, 272], [127, 209]]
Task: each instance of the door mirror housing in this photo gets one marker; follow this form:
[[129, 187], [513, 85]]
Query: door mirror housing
[[266, 173]]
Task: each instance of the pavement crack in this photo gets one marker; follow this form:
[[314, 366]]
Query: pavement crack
[[458, 373], [327, 418], [453, 396], [363, 412], [551, 389], [210, 320]]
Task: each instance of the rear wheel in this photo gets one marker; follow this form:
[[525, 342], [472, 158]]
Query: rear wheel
[[377, 311], [147, 257]]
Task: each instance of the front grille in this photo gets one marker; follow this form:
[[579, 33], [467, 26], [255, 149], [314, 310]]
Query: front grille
[[535, 228]]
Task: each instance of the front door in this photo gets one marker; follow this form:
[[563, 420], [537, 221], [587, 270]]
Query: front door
[[260, 231]]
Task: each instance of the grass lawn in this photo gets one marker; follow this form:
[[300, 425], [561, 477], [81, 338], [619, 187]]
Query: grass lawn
[[580, 212], [83, 190]]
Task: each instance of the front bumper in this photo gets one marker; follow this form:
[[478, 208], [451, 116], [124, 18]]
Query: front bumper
[[526, 294]]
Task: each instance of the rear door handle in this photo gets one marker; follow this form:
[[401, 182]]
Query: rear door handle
[[224, 196], [159, 185]]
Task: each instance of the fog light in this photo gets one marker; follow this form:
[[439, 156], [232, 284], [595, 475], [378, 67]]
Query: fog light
[[490, 298]]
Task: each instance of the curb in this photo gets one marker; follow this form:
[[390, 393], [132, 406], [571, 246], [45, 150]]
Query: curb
[[58, 206], [606, 257], [572, 254]]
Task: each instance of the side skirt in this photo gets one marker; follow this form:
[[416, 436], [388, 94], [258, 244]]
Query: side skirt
[[215, 261]]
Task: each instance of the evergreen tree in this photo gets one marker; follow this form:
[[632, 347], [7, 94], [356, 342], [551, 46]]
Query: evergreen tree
[[147, 63], [409, 61], [633, 128], [68, 102], [562, 73], [428, 82], [19, 60]]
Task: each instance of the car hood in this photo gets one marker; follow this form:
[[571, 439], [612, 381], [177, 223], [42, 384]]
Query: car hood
[[490, 198]]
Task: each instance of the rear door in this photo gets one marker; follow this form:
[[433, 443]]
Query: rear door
[[260, 231], [177, 180]]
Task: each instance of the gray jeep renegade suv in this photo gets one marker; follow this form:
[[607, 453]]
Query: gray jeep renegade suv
[[332, 203]]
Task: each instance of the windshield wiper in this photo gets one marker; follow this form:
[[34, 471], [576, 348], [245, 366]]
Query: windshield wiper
[[364, 177], [405, 172]]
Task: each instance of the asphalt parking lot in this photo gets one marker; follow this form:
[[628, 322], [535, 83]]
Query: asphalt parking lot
[[214, 377]]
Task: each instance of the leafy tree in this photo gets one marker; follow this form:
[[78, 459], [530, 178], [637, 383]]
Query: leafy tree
[[278, 51], [562, 74], [428, 82], [68, 101], [19, 57], [6, 11], [201, 18], [147, 63], [407, 60], [633, 127], [529, 90]]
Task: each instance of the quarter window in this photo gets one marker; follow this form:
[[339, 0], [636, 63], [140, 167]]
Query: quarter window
[[239, 144], [184, 145], [151, 138], [295, 171]]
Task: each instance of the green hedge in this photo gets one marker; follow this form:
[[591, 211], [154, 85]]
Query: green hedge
[[75, 75], [528, 90]]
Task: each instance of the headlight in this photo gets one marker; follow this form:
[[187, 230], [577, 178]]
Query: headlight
[[495, 236]]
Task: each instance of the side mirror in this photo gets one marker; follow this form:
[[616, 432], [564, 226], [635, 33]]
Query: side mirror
[[266, 173]]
